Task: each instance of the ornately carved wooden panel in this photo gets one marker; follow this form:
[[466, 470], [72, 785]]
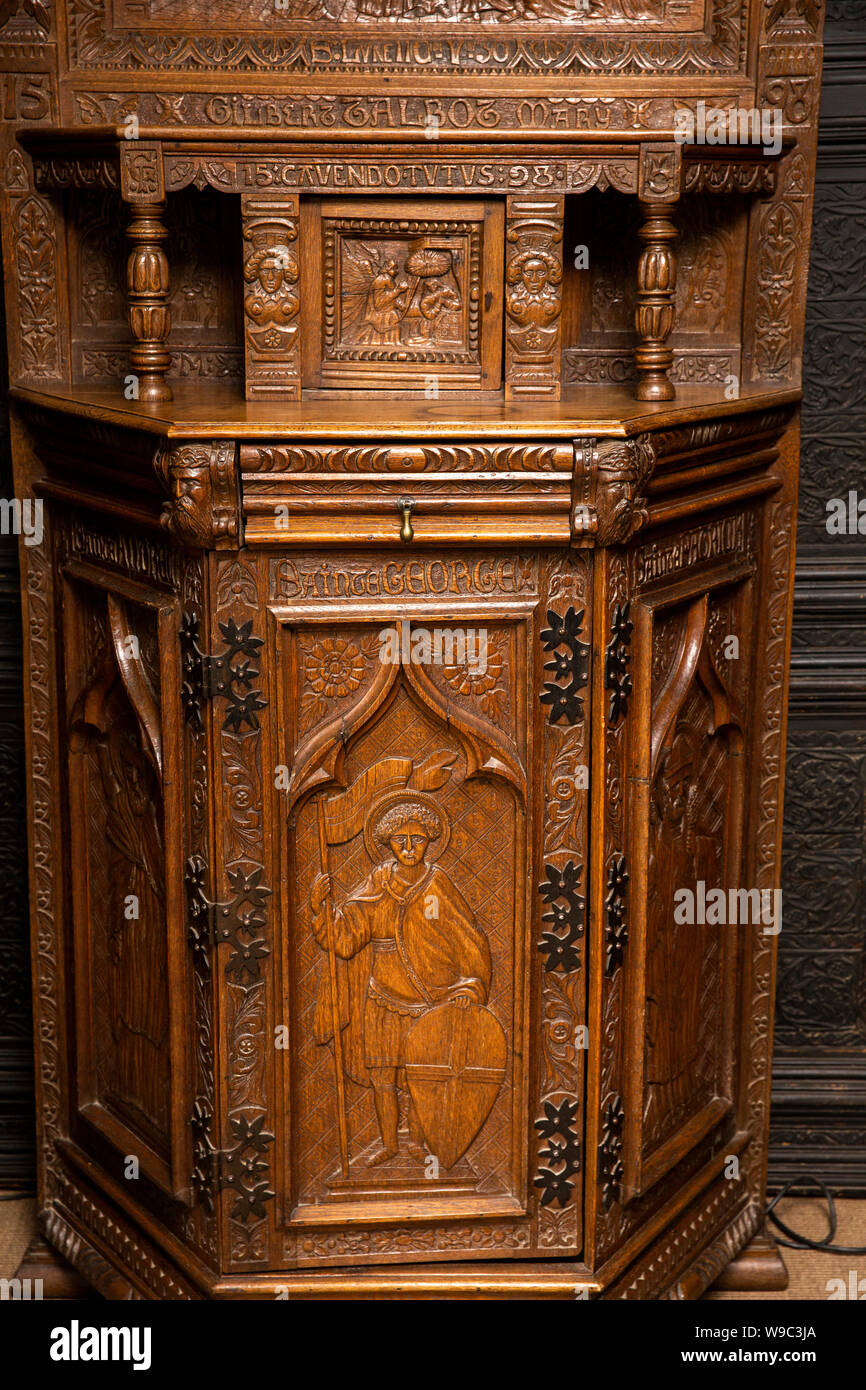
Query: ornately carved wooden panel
[[693, 800], [694, 827], [465, 36], [116, 823], [400, 293], [458, 980], [425, 856], [119, 744]]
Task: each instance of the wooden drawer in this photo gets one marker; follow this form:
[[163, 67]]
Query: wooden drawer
[[328, 494]]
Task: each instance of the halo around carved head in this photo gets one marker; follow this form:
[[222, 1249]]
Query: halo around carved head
[[429, 812]]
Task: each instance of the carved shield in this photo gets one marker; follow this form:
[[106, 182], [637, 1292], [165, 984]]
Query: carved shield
[[455, 1062]]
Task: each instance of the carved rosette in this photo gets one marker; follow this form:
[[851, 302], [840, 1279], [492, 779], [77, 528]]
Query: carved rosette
[[203, 500], [271, 296], [608, 505], [533, 297]]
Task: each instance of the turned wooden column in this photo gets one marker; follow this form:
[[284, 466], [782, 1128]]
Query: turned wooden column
[[147, 279], [659, 184]]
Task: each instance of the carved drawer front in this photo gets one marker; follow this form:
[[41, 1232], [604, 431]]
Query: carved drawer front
[[320, 493], [402, 294], [121, 721]]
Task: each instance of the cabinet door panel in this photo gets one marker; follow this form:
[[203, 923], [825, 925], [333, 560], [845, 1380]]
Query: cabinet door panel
[[692, 651], [125, 837], [429, 955], [457, 990]]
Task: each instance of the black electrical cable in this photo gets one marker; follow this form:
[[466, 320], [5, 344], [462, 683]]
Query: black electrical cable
[[797, 1241]]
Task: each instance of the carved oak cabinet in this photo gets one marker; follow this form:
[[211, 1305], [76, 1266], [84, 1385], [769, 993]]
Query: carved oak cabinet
[[412, 395]]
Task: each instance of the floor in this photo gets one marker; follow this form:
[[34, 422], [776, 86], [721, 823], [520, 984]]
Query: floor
[[811, 1274]]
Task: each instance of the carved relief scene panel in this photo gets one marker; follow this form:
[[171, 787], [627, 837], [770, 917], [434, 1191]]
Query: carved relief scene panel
[[402, 293], [436, 36], [407, 938], [117, 655], [695, 648]]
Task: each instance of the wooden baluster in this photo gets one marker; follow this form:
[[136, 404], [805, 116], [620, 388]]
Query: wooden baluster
[[659, 183], [147, 278], [654, 315]]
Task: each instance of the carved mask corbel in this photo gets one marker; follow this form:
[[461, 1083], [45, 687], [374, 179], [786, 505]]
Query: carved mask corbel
[[609, 476], [200, 480]]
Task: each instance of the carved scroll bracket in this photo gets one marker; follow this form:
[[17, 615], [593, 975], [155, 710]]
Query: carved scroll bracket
[[201, 481], [609, 476]]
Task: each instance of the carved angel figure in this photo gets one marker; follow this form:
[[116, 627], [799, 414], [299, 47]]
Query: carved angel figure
[[375, 295]]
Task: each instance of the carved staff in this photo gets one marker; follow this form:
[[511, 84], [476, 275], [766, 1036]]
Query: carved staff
[[335, 1010]]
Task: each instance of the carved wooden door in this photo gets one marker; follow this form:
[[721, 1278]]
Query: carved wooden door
[[680, 887], [426, 727], [687, 824], [121, 719]]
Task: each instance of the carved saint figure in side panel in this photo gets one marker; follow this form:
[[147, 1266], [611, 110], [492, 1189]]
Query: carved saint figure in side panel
[[687, 818], [412, 946]]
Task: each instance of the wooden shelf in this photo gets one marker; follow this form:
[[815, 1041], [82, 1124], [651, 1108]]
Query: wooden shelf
[[201, 409]]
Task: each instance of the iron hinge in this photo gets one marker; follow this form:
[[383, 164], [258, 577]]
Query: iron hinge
[[228, 675], [243, 1168], [240, 922]]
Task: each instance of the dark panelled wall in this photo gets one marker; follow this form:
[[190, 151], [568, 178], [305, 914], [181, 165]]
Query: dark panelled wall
[[818, 1121], [819, 1094]]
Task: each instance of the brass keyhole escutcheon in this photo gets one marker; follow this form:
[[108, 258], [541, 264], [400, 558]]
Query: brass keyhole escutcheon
[[406, 505]]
